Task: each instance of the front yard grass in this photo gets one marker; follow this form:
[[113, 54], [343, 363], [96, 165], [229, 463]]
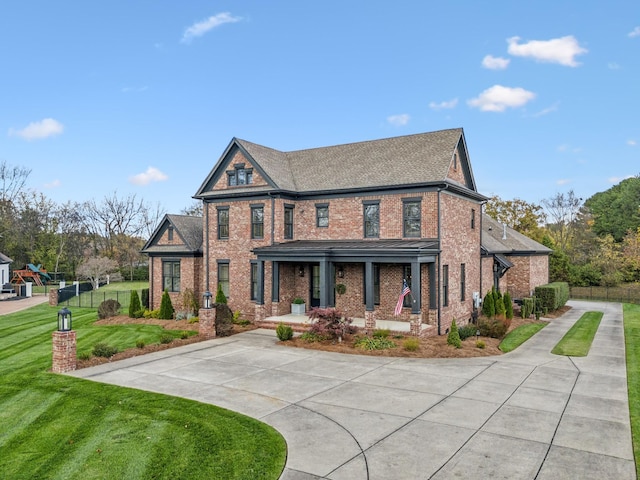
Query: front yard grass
[[519, 335], [55, 426], [632, 347], [577, 341]]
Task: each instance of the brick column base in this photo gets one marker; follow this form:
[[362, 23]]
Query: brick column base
[[64, 352], [207, 322], [53, 297], [261, 313], [275, 309], [369, 320], [415, 325]]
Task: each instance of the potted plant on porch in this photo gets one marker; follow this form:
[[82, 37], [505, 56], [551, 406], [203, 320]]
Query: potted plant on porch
[[298, 307]]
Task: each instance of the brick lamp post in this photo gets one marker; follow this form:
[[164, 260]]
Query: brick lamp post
[[64, 344], [207, 317]]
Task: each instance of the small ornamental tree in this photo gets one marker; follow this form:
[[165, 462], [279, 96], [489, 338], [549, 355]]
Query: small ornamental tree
[[453, 338], [330, 323], [220, 296], [508, 306], [135, 308], [488, 307], [145, 298], [166, 307]]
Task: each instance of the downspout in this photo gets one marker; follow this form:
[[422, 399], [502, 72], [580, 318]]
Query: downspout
[[273, 217], [438, 279], [206, 255]]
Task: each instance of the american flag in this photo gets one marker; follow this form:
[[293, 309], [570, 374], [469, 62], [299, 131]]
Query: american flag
[[405, 291]]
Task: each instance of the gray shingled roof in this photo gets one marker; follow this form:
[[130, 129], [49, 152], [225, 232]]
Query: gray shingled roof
[[4, 258], [495, 241], [406, 160], [187, 227]]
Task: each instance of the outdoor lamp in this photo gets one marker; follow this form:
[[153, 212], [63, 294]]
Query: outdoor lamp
[[301, 271], [64, 320], [340, 272], [206, 299]]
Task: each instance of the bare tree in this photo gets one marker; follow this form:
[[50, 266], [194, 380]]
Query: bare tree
[[193, 210], [96, 269], [562, 210], [12, 181]]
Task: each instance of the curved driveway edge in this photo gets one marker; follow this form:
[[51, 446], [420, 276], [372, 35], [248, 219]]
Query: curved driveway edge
[[527, 414]]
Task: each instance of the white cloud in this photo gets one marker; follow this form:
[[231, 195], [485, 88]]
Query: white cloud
[[618, 179], [634, 33], [53, 184], [399, 120], [495, 63], [557, 50], [444, 105], [151, 175], [200, 28], [631, 143], [613, 66], [568, 148], [499, 98], [37, 130], [546, 111], [134, 89], [563, 181]]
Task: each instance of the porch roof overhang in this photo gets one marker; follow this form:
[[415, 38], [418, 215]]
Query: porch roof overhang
[[356, 251]]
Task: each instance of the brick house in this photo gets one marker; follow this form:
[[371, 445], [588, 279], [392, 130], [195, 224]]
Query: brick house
[[4, 269], [341, 226], [512, 261]]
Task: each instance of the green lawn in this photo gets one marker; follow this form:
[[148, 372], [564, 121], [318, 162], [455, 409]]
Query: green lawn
[[519, 335], [58, 427], [124, 286], [577, 341], [632, 346]]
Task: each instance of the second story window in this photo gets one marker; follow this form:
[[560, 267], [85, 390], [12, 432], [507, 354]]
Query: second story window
[[240, 175], [445, 285], [371, 219], [223, 223], [170, 234], [257, 221], [322, 215], [411, 218], [473, 218], [288, 222]]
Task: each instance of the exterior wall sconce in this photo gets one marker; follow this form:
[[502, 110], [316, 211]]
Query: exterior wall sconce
[[301, 270], [64, 320], [206, 300], [340, 272]]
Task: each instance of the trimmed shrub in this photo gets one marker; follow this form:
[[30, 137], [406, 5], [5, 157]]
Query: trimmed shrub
[[166, 338], [480, 344], [224, 320], [184, 334], [84, 356], [135, 307], [500, 308], [220, 296], [467, 331], [453, 338], [488, 305], [140, 344], [552, 296], [166, 307], [508, 306], [104, 350], [108, 308], [492, 327], [284, 332], [527, 307], [312, 337], [411, 344], [330, 323]]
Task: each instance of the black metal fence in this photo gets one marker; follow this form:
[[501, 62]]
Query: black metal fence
[[94, 298], [66, 293], [608, 294]]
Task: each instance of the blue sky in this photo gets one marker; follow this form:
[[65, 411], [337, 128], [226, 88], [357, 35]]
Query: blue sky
[[142, 97]]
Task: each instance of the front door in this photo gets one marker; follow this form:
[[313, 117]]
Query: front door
[[314, 294]]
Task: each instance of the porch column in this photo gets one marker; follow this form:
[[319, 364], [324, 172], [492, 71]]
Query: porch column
[[368, 290], [416, 290], [260, 280], [325, 283], [275, 281], [433, 305]]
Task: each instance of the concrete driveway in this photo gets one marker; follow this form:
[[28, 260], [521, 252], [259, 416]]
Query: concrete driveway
[[528, 414]]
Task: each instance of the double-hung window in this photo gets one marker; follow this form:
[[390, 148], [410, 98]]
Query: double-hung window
[[254, 280], [223, 223], [411, 217], [171, 275], [445, 285], [322, 215], [371, 219], [223, 276], [463, 281], [257, 221], [288, 222]]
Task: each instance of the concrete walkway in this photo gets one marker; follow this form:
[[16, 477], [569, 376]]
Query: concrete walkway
[[528, 414]]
